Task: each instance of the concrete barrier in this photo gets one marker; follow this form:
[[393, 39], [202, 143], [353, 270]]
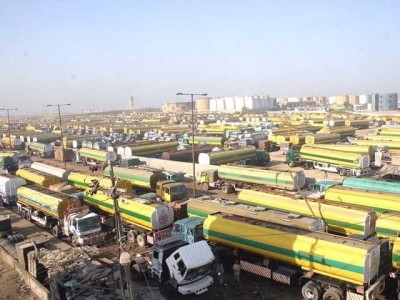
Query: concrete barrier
[[36, 287]]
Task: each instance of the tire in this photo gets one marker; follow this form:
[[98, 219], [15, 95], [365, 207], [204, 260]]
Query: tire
[[28, 216], [205, 186], [311, 291], [23, 213], [225, 189], [55, 231], [348, 173], [342, 172], [131, 236], [332, 294], [141, 240], [169, 290], [291, 164]]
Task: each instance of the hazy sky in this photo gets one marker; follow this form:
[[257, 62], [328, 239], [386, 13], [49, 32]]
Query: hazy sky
[[96, 54]]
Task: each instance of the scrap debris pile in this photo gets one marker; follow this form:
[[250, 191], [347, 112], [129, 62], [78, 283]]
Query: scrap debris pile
[[80, 277]]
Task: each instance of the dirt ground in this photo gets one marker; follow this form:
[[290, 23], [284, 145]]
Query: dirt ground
[[12, 286]]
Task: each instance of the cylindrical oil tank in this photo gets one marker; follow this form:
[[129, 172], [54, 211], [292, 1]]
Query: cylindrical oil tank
[[365, 150], [203, 206], [343, 220], [52, 203], [138, 177], [227, 156], [144, 213], [322, 139], [239, 103], [203, 104], [229, 104], [379, 201], [392, 145], [344, 131], [155, 148], [380, 185], [97, 155], [332, 99], [207, 140], [382, 138], [335, 122], [389, 131], [221, 104], [341, 158], [38, 177], [287, 180], [84, 182], [213, 104], [58, 172], [359, 124], [319, 251], [186, 155]]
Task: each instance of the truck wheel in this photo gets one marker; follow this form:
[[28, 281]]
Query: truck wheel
[[342, 172], [205, 186], [23, 213], [141, 240], [291, 164], [311, 291], [170, 290], [348, 173], [227, 189], [55, 231], [131, 236], [28, 216], [332, 294]]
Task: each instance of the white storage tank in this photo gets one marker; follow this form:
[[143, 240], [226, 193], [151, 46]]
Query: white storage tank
[[239, 103], [229, 104], [293, 99], [332, 99], [249, 102], [220, 104], [213, 104], [203, 104]]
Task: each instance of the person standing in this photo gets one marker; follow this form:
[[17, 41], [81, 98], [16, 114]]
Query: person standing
[[236, 270], [220, 273]]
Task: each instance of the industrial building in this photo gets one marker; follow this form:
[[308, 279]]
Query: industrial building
[[176, 106]]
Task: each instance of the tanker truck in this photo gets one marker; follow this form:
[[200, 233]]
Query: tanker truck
[[60, 212], [296, 256], [8, 188], [148, 179], [178, 267], [229, 179], [336, 161]]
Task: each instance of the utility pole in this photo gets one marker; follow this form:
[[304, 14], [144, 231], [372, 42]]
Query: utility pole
[[111, 157], [61, 133], [8, 122], [193, 158]]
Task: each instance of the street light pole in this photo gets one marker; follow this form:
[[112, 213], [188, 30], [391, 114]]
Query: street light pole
[[61, 134], [8, 122], [193, 158]]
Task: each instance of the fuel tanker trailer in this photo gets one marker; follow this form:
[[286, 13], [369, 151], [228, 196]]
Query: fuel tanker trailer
[[379, 201], [373, 184], [337, 161], [228, 156], [340, 219], [231, 178], [94, 156], [83, 181], [204, 205], [154, 148], [185, 155], [151, 179], [60, 212], [40, 178], [58, 172], [287, 254], [147, 220], [364, 150]]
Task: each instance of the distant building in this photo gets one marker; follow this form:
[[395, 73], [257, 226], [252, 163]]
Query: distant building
[[131, 104], [241, 103], [383, 102], [176, 106]]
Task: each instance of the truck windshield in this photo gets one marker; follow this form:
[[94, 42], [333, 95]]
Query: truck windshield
[[178, 190], [195, 273], [88, 224]]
